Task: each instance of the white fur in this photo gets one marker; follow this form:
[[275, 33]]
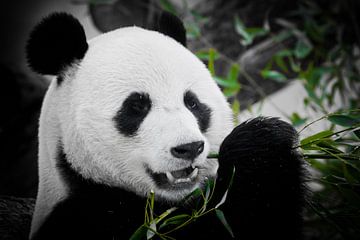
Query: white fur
[[80, 112]]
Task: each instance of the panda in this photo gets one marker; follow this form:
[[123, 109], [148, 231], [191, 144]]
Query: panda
[[133, 111]]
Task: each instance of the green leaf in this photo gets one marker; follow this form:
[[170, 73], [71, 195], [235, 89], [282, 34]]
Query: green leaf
[[235, 106], [256, 32], [233, 73], [317, 136], [176, 220], [248, 34], [229, 92], [151, 230], [294, 65], [204, 55], [302, 49], [349, 177], [225, 83], [296, 120], [241, 30], [273, 75], [344, 120], [140, 233], [223, 199], [281, 63], [168, 6], [329, 145], [222, 219], [282, 36], [192, 30], [284, 53], [211, 63], [208, 188]]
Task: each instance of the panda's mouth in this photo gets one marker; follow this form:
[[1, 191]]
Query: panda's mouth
[[181, 178], [185, 175]]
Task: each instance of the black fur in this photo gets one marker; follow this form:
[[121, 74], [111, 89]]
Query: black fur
[[267, 196], [93, 211], [200, 110], [264, 202], [132, 113], [171, 26], [55, 43]]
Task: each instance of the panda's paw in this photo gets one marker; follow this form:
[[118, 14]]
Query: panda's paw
[[260, 136], [268, 188], [263, 146]]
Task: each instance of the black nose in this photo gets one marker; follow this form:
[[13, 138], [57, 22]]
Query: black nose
[[188, 151]]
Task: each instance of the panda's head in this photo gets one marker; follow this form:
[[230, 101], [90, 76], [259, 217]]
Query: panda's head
[[135, 109]]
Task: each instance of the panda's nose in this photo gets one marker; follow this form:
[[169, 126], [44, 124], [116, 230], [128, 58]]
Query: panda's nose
[[188, 151]]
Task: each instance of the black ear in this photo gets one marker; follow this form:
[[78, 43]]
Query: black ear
[[55, 43], [172, 26]]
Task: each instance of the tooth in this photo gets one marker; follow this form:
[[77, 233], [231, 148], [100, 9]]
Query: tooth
[[193, 166], [194, 173], [170, 177], [182, 180]]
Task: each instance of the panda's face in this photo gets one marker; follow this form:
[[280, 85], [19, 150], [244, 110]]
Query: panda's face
[[142, 113]]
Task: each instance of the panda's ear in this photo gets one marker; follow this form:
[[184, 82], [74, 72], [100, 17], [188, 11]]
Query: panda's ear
[[55, 43], [172, 26]]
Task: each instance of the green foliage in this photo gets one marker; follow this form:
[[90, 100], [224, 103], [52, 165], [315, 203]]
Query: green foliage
[[248, 34]]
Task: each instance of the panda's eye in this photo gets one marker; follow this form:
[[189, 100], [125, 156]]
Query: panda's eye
[[191, 102], [199, 109], [139, 103]]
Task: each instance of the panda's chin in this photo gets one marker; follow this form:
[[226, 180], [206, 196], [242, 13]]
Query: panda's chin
[[178, 180]]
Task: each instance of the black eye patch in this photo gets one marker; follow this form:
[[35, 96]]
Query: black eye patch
[[200, 110], [132, 113]]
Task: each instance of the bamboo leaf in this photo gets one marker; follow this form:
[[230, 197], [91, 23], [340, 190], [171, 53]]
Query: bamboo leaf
[[140, 233], [235, 106], [192, 30], [225, 83], [233, 73], [176, 220], [229, 92], [211, 63], [151, 230], [204, 55], [222, 219], [281, 63], [273, 75], [168, 6], [302, 49], [296, 120], [223, 199], [317, 136], [348, 176], [241, 30], [343, 120]]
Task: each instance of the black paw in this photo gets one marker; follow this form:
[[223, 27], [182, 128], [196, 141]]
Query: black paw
[[268, 191]]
